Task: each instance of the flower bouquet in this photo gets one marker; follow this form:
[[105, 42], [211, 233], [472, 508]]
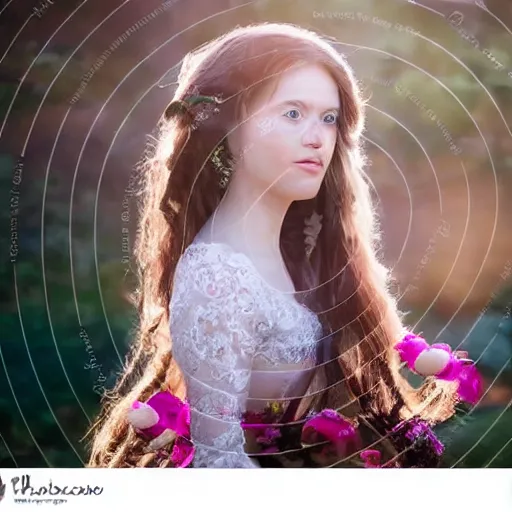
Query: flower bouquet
[[320, 439]]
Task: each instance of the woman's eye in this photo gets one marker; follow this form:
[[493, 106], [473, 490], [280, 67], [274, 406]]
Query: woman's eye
[[331, 118], [293, 111]]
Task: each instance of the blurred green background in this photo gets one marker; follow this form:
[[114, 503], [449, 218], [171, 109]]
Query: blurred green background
[[81, 89]]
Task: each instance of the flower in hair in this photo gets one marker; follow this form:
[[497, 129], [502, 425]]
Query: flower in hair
[[187, 108], [164, 420], [439, 360]]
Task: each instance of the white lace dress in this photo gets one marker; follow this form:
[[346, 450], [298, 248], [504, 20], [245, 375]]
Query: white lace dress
[[239, 344]]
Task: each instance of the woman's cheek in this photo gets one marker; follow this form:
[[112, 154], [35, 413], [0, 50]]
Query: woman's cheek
[[279, 150], [285, 127]]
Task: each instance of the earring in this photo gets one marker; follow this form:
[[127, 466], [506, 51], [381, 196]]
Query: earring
[[222, 165], [312, 230]]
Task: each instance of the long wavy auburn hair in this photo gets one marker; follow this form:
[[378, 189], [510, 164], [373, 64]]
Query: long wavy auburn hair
[[343, 280]]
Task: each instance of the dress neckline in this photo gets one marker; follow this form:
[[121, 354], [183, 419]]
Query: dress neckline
[[289, 296]]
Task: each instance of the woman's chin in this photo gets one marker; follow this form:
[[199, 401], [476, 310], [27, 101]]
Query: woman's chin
[[305, 193]]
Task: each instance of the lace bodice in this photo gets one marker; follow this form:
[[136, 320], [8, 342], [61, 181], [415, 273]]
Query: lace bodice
[[239, 344]]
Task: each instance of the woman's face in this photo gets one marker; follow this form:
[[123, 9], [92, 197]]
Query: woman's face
[[286, 143]]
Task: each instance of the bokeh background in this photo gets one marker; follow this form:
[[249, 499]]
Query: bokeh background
[[82, 85]]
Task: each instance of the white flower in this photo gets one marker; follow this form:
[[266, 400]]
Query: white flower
[[143, 417]]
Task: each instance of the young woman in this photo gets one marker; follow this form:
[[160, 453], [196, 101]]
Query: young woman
[[260, 284]]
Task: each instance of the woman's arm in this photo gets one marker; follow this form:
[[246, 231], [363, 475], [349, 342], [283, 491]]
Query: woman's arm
[[212, 327]]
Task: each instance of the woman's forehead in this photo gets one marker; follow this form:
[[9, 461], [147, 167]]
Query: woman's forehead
[[309, 87]]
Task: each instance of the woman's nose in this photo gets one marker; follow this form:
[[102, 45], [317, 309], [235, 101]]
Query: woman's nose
[[312, 136]]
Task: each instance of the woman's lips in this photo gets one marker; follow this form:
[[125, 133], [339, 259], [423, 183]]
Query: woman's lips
[[310, 166]]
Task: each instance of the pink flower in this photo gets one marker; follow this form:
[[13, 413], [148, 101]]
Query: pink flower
[[182, 452], [440, 361], [410, 348], [331, 426], [371, 458], [172, 414], [470, 384], [165, 412]]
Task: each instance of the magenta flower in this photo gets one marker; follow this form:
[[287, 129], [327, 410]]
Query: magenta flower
[[159, 419], [440, 361], [410, 348], [451, 369], [470, 384], [182, 452], [371, 458], [331, 426], [171, 413]]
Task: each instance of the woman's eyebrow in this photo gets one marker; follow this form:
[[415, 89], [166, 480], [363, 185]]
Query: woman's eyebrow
[[305, 106]]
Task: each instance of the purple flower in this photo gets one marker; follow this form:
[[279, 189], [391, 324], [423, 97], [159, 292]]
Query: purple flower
[[417, 430], [437, 446], [268, 436], [263, 432]]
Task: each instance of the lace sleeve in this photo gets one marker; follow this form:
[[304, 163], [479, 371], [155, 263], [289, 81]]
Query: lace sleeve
[[213, 316]]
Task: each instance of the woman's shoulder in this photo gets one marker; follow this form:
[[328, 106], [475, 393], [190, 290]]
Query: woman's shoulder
[[212, 279], [216, 264], [212, 256]]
